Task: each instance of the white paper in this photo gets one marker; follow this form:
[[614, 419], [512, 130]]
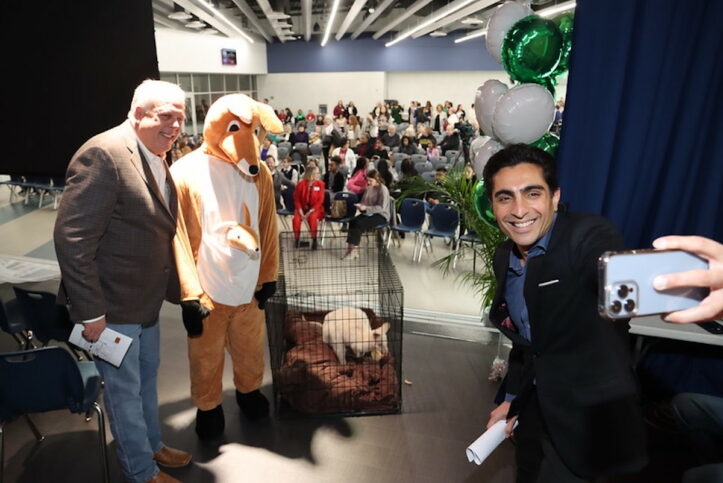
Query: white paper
[[111, 346], [14, 269], [483, 446]]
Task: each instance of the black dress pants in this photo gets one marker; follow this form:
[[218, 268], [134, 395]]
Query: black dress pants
[[361, 223]]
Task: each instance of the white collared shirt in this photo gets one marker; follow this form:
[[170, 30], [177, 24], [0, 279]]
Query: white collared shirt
[[158, 169]]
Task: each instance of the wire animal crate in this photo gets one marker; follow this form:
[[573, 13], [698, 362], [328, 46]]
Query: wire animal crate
[[362, 302]]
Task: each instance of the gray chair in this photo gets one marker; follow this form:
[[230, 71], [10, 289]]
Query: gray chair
[[423, 167], [419, 158]]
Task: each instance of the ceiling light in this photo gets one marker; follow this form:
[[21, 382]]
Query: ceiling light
[[196, 24], [209, 31], [332, 15], [447, 10], [438, 33], [371, 9], [180, 15], [221, 16], [472, 35], [472, 21], [555, 9]]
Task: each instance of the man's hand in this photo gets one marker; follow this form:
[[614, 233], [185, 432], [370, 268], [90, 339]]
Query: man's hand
[[267, 290], [498, 414], [710, 307], [91, 331], [193, 313]]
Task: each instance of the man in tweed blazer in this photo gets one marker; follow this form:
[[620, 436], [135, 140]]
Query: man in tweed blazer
[[113, 237]]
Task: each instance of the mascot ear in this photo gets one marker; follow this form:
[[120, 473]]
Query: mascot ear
[[269, 120]]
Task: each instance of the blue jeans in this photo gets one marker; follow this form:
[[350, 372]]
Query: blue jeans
[[131, 401]]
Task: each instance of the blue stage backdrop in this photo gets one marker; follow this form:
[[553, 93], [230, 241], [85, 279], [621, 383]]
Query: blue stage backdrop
[[642, 141]]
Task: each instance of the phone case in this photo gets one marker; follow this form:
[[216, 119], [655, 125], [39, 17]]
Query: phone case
[[626, 283]]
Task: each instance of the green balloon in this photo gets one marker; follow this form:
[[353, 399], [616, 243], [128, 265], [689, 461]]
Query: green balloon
[[483, 206], [548, 143], [564, 22], [531, 49]]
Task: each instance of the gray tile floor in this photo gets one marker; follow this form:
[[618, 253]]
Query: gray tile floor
[[444, 408]]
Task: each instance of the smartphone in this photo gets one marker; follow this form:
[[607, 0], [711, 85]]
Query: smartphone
[[625, 286]]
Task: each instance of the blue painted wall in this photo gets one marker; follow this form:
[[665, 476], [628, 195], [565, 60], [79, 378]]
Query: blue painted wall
[[366, 54]]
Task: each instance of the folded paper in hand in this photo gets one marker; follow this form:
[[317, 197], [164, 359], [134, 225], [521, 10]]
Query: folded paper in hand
[[485, 444], [111, 346]]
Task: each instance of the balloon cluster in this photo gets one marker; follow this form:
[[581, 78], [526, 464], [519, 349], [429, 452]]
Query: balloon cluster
[[534, 51]]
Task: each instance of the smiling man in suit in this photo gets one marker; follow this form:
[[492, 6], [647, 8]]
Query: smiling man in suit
[[570, 381], [113, 237]]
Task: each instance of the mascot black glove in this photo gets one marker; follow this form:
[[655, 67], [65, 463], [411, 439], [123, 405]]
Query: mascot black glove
[[267, 290], [193, 314]]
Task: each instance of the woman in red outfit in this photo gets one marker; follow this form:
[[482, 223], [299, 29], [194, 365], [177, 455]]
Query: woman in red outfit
[[308, 204]]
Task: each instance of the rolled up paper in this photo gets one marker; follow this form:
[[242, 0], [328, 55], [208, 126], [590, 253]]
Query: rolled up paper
[[483, 446]]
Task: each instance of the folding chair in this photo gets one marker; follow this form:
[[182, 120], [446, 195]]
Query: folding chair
[[351, 199], [443, 223], [419, 158], [423, 167], [13, 324], [48, 379], [411, 215], [471, 238]]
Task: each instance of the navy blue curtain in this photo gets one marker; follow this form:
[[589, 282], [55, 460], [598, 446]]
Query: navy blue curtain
[[642, 140]]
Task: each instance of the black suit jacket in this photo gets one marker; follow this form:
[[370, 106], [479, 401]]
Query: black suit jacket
[[579, 361]]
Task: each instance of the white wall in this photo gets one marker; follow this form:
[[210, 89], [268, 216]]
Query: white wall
[[182, 52], [308, 90]]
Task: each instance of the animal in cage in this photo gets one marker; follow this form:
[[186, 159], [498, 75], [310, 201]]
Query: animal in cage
[[350, 327], [314, 380]]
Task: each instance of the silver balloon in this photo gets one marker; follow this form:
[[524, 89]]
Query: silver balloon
[[523, 114], [484, 154], [504, 17], [485, 100]]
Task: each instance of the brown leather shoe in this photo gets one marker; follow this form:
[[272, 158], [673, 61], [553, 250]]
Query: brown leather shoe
[[172, 458], [162, 477]]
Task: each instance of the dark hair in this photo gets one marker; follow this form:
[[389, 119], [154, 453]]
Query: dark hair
[[407, 167], [409, 141], [335, 159], [515, 154], [361, 163], [383, 168]]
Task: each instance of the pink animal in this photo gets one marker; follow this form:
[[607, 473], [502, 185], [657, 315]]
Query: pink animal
[[350, 327]]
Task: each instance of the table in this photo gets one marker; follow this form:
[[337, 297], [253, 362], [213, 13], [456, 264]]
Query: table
[[16, 269], [655, 327]]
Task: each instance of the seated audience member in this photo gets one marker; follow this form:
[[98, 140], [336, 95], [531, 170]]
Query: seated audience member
[[391, 139], [451, 140], [310, 116], [338, 109], [346, 155], [432, 198], [383, 123], [281, 182], [284, 136], [320, 119], [410, 133], [374, 210], [363, 147], [281, 114], [350, 110], [289, 171], [268, 148], [711, 307], [300, 136], [378, 150], [308, 204], [424, 139], [385, 172], [370, 126], [314, 138], [334, 179], [357, 183], [407, 146], [299, 117], [432, 149], [407, 169]]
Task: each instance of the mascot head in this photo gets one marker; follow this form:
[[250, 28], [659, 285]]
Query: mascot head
[[232, 129]]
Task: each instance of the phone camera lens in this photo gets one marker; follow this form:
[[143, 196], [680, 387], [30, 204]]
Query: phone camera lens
[[629, 305], [616, 306], [623, 291]]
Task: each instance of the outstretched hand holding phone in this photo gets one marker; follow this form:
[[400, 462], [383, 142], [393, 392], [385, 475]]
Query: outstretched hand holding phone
[[712, 306]]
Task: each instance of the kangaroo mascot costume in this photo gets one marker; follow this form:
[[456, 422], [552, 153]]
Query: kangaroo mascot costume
[[227, 254]]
